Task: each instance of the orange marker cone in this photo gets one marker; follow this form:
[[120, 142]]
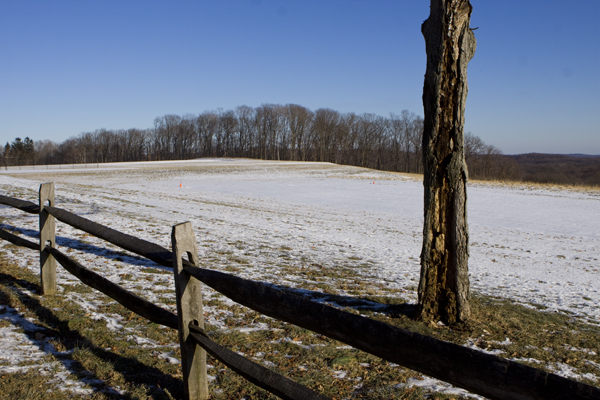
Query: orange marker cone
[[180, 185]]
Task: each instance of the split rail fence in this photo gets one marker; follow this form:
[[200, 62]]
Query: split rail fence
[[475, 371]]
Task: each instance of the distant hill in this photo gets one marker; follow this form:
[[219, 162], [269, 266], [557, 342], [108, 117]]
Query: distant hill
[[574, 169], [582, 155]]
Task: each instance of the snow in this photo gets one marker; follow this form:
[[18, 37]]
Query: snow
[[23, 347], [169, 357], [569, 372], [439, 387], [536, 246]]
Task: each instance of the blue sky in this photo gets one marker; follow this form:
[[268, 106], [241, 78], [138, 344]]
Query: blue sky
[[68, 67]]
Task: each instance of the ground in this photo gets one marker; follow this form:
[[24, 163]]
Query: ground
[[321, 229]]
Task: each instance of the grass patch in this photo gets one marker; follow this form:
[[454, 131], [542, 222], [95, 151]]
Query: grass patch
[[521, 333], [150, 270], [325, 365], [105, 358], [33, 386], [116, 360]]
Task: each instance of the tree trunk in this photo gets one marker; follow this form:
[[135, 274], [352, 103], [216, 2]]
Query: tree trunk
[[450, 45]]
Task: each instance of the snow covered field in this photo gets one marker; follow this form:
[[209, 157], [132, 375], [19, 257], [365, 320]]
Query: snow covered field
[[535, 246]]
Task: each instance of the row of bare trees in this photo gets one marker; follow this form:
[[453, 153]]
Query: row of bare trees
[[486, 161], [270, 132]]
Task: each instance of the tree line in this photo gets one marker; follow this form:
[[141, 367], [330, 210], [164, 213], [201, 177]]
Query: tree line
[[18, 152], [270, 132]]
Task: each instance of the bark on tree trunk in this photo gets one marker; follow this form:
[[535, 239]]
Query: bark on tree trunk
[[450, 45]]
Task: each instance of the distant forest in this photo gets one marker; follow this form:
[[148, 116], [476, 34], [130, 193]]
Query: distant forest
[[293, 132], [573, 169]]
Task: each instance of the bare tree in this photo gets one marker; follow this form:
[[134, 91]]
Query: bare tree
[[380, 134], [473, 146], [300, 125], [4, 153], [166, 140], [324, 128], [45, 151], [415, 136], [261, 123], [245, 118], [450, 45], [405, 123], [396, 134], [268, 122], [347, 129], [134, 145], [368, 132], [229, 127], [206, 127]]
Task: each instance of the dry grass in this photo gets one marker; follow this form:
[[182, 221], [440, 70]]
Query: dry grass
[[90, 350], [311, 359], [325, 365], [534, 185]]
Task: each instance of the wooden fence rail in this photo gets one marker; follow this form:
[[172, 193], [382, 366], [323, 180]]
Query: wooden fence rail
[[17, 240], [271, 381], [129, 300], [277, 384], [144, 248], [22, 205], [478, 372]]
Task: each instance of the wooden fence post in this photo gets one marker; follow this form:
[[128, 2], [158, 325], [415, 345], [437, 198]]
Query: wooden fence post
[[189, 309], [47, 238]]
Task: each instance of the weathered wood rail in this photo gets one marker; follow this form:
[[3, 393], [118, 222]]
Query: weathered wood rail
[[478, 372]]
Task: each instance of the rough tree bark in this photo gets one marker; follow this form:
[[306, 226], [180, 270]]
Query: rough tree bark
[[450, 45]]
